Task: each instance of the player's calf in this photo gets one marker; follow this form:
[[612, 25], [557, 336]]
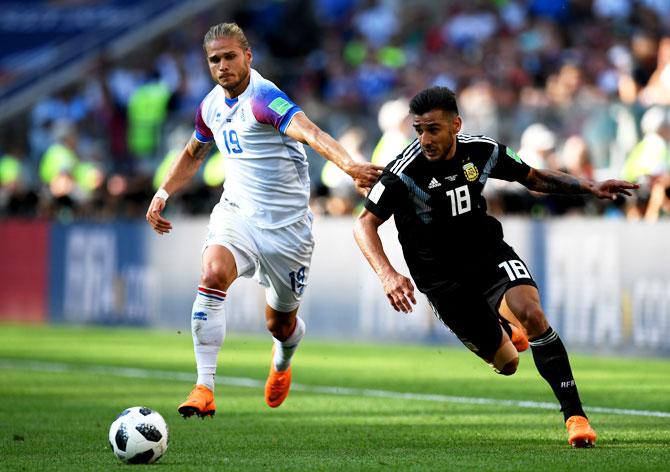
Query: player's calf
[[506, 359]]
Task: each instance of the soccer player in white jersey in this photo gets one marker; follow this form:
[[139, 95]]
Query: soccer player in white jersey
[[261, 228]]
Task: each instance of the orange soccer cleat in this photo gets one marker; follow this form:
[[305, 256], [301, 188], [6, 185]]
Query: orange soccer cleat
[[580, 433], [199, 402], [277, 385], [519, 338]]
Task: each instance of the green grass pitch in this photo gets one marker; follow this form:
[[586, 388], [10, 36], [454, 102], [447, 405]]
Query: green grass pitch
[[61, 387]]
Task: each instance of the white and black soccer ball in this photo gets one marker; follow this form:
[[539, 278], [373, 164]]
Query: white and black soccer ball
[[139, 435]]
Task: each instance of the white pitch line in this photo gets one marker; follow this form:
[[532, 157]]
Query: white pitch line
[[131, 372]]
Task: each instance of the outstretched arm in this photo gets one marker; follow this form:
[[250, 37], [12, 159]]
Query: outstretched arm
[[553, 181], [302, 129], [398, 288], [182, 171]]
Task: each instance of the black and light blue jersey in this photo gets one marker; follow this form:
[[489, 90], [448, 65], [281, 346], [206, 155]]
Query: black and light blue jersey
[[438, 206]]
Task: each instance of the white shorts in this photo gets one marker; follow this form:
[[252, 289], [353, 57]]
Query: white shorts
[[277, 258]]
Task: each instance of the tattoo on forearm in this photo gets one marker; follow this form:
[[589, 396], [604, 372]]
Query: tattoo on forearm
[[555, 182], [197, 149]]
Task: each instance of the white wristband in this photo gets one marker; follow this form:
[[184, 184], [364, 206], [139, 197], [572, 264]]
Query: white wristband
[[161, 193]]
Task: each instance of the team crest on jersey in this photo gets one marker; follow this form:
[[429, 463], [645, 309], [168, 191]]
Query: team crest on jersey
[[471, 172]]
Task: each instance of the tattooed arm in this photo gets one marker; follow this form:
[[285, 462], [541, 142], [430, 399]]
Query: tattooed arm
[[364, 174], [181, 172], [553, 181], [186, 165]]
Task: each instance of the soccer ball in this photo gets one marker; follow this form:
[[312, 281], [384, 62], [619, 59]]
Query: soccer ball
[[139, 435]]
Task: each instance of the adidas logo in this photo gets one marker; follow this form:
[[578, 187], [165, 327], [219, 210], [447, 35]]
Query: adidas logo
[[434, 183]]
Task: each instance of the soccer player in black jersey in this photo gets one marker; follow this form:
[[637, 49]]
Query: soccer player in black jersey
[[475, 282]]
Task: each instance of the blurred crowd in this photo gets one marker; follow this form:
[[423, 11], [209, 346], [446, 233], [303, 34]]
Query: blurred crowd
[[577, 85]]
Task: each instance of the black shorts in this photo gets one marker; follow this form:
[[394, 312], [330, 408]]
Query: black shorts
[[469, 306]]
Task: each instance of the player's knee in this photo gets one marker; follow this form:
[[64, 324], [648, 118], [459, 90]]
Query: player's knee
[[280, 328], [506, 358], [534, 321], [509, 368], [213, 277]]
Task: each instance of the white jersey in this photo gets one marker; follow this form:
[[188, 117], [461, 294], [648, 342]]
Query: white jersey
[[267, 180]]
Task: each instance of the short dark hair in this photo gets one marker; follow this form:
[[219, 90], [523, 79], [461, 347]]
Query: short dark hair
[[433, 98]]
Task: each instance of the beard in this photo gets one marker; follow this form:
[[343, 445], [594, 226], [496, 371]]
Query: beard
[[234, 86]]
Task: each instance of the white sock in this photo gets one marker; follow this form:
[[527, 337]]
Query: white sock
[[284, 350], [208, 327]]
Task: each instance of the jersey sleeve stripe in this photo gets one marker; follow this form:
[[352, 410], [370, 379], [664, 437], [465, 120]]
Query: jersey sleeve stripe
[[466, 138], [202, 131], [202, 138], [407, 161], [490, 164], [286, 120], [420, 198], [407, 153]]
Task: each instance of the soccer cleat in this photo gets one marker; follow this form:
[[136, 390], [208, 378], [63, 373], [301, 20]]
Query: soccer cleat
[[580, 433], [277, 385], [199, 402], [519, 339]]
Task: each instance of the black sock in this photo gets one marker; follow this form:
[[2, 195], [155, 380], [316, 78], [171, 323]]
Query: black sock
[[551, 360]]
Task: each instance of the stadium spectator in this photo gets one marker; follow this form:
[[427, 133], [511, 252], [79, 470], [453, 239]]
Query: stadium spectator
[[377, 21], [479, 108], [10, 171], [657, 91], [147, 112], [575, 158], [580, 68], [214, 174], [538, 146], [60, 158], [476, 284], [649, 157], [176, 140], [261, 228], [16, 195], [659, 198], [395, 128], [649, 165]]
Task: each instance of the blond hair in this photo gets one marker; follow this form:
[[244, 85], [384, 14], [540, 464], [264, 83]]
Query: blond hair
[[226, 30]]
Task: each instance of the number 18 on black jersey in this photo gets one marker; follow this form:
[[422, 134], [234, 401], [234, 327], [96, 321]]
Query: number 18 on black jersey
[[438, 206]]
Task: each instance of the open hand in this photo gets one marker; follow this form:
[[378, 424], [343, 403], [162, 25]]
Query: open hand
[[157, 222], [400, 291], [611, 188]]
